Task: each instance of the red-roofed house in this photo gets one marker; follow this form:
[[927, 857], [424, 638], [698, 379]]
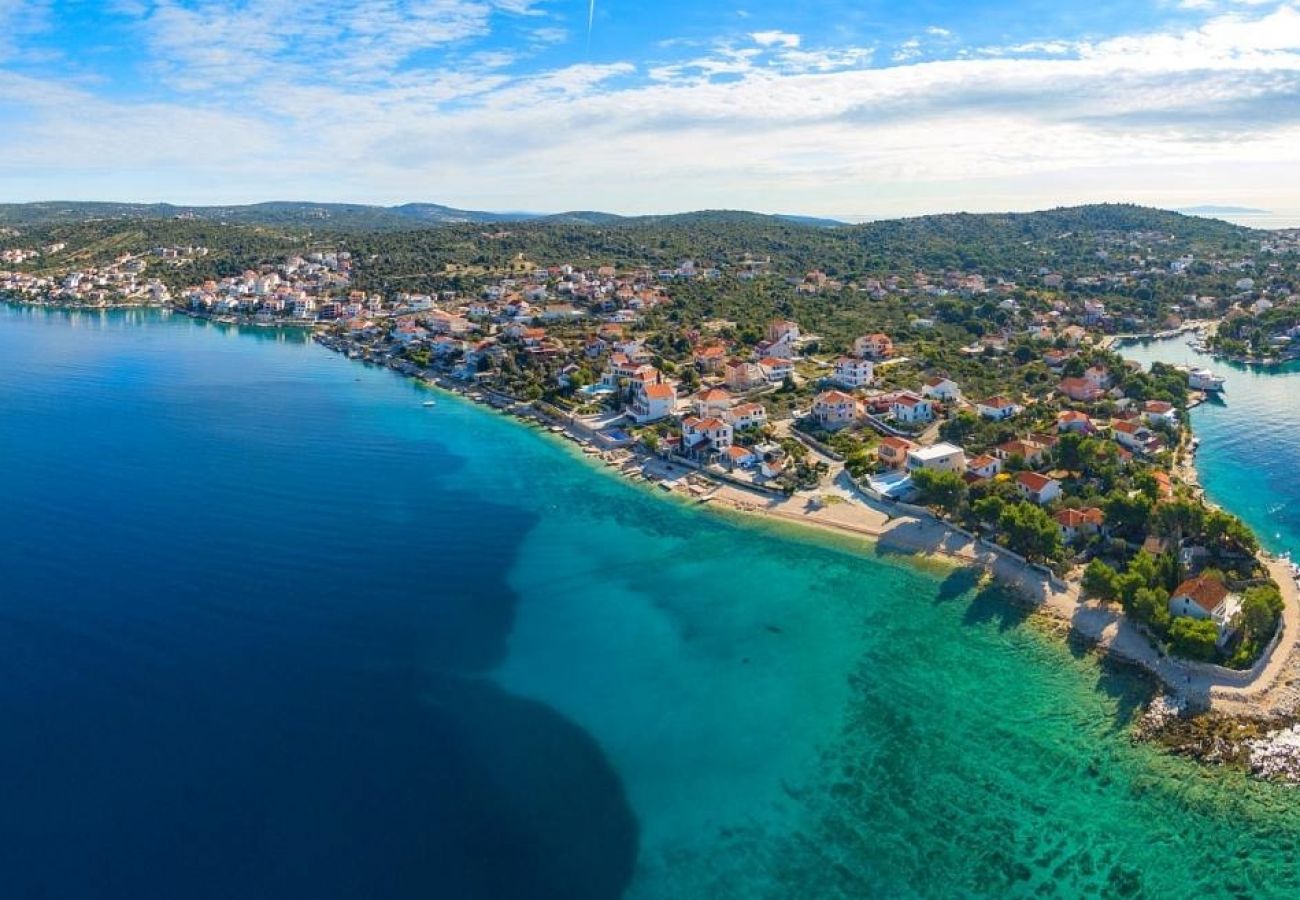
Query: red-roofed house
[[1079, 522], [834, 409], [1206, 597], [1037, 488]]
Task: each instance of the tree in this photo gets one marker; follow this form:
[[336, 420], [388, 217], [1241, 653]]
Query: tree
[[1260, 608], [1193, 638], [945, 490], [1100, 580], [1030, 531], [1151, 605]]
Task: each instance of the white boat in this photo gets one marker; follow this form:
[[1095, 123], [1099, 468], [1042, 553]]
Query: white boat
[[430, 403], [1204, 380]]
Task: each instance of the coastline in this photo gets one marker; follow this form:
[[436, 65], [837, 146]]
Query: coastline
[[920, 537]]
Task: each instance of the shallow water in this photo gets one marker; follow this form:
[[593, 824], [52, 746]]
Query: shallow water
[[270, 628]]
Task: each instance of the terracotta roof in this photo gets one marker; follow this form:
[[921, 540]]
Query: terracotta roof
[[1203, 590], [659, 391], [1073, 518], [1033, 481]]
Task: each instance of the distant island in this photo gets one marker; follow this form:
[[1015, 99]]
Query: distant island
[[1222, 211]]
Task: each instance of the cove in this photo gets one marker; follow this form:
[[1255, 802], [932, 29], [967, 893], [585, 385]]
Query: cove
[[270, 628]]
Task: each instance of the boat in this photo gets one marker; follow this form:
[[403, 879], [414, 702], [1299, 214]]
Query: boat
[[1204, 380], [429, 403]]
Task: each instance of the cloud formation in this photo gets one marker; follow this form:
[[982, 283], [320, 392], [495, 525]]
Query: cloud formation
[[262, 103]]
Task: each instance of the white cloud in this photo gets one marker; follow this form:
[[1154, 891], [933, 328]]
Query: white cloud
[[772, 125], [775, 39]]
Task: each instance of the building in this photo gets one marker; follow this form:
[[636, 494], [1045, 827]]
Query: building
[[1075, 523], [1206, 597], [710, 435], [776, 369], [1081, 390], [1136, 437], [652, 401], [712, 402], [996, 409], [851, 372], [944, 390], [1038, 488], [747, 415], [835, 409], [910, 408], [1159, 412], [1072, 420], [892, 451], [741, 375], [874, 346], [984, 466], [1031, 452], [937, 458]]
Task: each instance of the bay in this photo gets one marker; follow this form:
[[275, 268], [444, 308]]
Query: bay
[[271, 628]]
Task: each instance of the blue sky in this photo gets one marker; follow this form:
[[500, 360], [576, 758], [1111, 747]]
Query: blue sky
[[860, 108]]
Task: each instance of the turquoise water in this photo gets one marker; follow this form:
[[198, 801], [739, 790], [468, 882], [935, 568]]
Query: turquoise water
[[270, 628], [1250, 440]]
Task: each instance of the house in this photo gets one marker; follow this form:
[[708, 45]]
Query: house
[[851, 372], [1099, 377], [710, 359], [741, 375], [1030, 451], [908, 407], [893, 451], [747, 415], [776, 369], [1135, 437], [1037, 488], [712, 402], [1206, 597], [937, 458], [1159, 412], [706, 435], [1071, 420], [984, 466], [782, 336], [834, 409], [944, 390], [874, 346], [652, 401], [739, 457], [1075, 523], [1081, 390], [998, 408]]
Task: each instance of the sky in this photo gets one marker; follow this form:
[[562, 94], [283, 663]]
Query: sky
[[841, 108]]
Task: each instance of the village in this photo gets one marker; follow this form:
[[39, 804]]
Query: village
[[995, 404]]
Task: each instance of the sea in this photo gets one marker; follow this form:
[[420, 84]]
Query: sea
[[270, 627]]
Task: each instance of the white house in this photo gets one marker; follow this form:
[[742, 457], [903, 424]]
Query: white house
[[944, 390], [984, 466], [908, 407], [1079, 522], [851, 372], [937, 458], [1159, 412], [652, 402], [1038, 488], [1206, 597], [997, 408], [747, 415], [711, 434], [775, 368], [712, 402]]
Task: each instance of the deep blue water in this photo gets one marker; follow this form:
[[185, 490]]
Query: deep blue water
[[271, 628]]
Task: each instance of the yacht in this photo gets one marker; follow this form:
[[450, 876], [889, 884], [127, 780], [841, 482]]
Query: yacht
[[1204, 380]]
